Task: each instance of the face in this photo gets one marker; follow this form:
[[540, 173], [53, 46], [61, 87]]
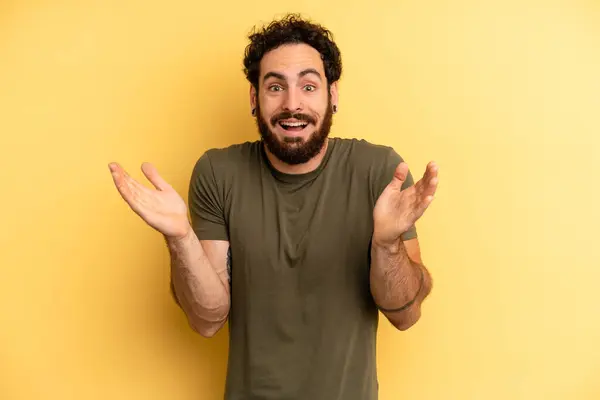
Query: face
[[293, 103]]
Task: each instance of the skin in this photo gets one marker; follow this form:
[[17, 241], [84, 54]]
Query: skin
[[292, 79], [199, 279], [397, 266]]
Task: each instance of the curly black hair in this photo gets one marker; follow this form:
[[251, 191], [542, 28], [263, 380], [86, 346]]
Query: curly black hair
[[292, 29]]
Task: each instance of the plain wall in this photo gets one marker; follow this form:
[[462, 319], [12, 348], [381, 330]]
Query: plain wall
[[503, 94]]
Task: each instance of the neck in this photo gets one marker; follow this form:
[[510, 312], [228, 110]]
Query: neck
[[305, 168]]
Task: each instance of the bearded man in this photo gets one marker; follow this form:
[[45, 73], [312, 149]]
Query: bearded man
[[297, 239]]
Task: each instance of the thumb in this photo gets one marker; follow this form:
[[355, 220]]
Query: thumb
[[151, 173], [400, 174]]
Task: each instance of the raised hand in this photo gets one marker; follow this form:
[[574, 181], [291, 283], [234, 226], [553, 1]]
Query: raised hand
[[397, 210], [163, 208]]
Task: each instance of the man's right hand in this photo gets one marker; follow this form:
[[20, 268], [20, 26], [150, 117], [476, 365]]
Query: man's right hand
[[163, 208]]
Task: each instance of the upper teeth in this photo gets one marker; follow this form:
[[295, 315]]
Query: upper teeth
[[293, 123]]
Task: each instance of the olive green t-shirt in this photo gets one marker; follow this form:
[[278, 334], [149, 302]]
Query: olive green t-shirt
[[302, 324]]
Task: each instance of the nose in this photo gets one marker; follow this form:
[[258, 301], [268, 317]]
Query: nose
[[292, 101]]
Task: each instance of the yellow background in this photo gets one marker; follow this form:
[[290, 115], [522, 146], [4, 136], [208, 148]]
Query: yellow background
[[503, 94]]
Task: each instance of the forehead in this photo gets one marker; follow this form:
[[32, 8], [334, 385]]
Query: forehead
[[290, 59]]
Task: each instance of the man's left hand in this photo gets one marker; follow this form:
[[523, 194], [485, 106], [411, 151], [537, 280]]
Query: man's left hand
[[397, 210]]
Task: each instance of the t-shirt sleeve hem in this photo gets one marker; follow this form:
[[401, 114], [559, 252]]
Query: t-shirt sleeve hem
[[210, 231], [410, 234]]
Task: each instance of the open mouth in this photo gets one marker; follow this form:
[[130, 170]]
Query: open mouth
[[293, 126]]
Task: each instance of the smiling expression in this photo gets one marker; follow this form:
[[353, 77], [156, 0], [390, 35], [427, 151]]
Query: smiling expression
[[293, 102]]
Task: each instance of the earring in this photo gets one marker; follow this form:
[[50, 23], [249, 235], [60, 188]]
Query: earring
[[254, 111], [334, 109]]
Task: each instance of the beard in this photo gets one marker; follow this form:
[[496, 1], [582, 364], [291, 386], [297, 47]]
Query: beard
[[295, 150]]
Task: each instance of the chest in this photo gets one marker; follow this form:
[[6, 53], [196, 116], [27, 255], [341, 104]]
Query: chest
[[315, 231]]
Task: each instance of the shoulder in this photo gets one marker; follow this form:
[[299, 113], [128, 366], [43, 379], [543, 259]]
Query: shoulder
[[373, 162], [224, 160], [366, 154], [230, 155]]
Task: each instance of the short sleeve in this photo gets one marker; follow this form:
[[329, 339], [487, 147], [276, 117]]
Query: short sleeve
[[385, 177], [206, 202]]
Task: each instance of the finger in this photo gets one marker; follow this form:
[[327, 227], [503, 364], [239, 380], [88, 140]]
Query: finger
[[430, 188], [129, 189], [433, 168], [422, 206], [431, 171], [118, 175], [426, 196], [154, 177], [428, 184]]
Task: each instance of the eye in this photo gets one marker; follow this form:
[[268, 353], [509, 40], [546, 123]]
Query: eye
[[275, 88], [310, 88]]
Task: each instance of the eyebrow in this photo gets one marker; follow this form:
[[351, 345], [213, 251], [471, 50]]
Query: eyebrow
[[282, 77], [309, 71]]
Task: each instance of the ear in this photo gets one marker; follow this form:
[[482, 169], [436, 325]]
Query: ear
[[334, 94], [253, 95]]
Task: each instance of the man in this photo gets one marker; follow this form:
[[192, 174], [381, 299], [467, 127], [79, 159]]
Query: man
[[298, 239]]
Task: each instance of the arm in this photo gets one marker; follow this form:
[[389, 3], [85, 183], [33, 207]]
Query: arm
[[399, 281], [200, 281], [200, 261], [199, 277]]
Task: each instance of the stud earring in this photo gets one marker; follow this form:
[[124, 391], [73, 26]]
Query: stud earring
[[254, 111], [334, 109]]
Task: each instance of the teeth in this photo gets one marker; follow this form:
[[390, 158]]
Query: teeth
[[294, 123]]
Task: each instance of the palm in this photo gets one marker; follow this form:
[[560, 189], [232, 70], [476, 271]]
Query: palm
[[163, 208], [396, 210]]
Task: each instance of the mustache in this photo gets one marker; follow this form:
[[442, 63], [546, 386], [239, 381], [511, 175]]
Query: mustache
[[289, 115]]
